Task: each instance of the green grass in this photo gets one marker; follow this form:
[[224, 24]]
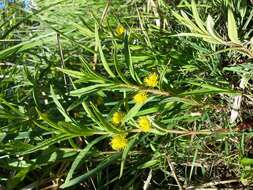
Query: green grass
[[65, 71]]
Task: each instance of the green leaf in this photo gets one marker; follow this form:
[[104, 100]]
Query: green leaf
[[91, 89], [59, 106], [116, 64], [87, 76], [19, 177], [94, 77], [80, 157], [190, 24], [128, 58], [246, 161], [19, 135], [102, 122], [84, 31], [149, 164], [197, 18], [232, 28], [131, 113], [74, 74], [125, 152], [209, 89], [89, 112], [102, 56], [66, 36], [46, 143], [193, 162], [210, 29], [45, 118], [92, 172], [214, 88], [74, 130], [206, 38], [38, 41]]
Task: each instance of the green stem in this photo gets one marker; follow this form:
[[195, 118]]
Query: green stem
[[149, 90]]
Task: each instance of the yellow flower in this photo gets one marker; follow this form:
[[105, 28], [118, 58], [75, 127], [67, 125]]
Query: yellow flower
[[120, 30], [117, 118], [119, 142], [144, 124], [151, 80], [140, 98]]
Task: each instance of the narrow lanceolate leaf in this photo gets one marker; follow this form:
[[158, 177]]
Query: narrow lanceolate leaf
[[210, 86], [125, 153], [210, 29], [207, 38], [208, 89], [190, 24], [179, 17], [101, 53], [193, 162], [197, 18], [46, 143], [73, 130], [116, 63], [91, 89], [59, 106], [84, 30], [131, 113], [45, 118], [128, 57], [102, 122], [92, 172], [85, 76], [88, 70], [38, 41], [232, 28], [81, 156], [74, 74]]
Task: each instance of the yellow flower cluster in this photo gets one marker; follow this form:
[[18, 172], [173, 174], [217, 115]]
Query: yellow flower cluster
[[120, 30], [117, 118], [151, 80], [119, 142], [144, 124], [140, 98]]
